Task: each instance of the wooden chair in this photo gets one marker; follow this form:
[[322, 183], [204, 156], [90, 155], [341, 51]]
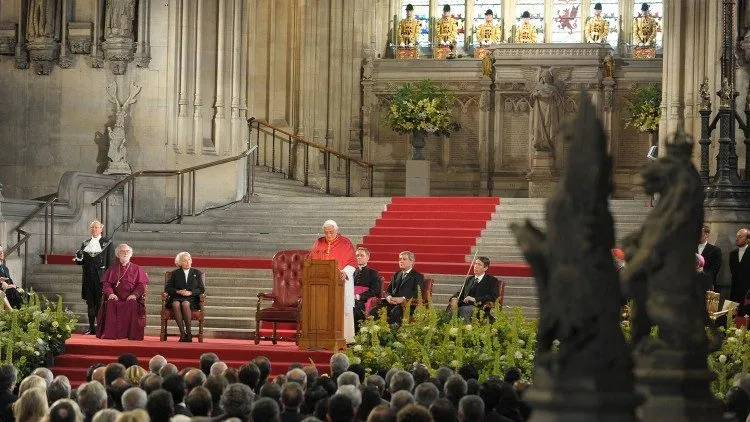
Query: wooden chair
[[167, 314], [374, 301], [426, 295], [743, 320], [500, 296], [286, 299]]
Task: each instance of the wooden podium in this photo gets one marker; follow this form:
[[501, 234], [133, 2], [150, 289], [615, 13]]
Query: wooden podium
[[322, 318]]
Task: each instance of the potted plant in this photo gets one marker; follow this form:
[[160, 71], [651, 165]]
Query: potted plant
[[643, 106], [421, 108]]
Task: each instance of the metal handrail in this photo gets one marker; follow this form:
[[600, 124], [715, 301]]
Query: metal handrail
[[129, 213], [292, 141], [23, 236]]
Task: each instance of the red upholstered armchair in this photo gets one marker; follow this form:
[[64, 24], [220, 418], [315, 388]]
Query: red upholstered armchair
[[286, 299], [167, 314], [374, 301]]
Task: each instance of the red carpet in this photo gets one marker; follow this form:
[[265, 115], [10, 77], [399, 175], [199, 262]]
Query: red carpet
[[439, 230], [83, 351]]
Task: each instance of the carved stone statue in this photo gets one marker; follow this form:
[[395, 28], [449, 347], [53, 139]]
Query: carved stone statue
[[446, 28], [119, 18], [41, 19], [705, 96], [409, 28], [608, 65], [489, 33], [645, 28], [546, 100], [597, 28], [368, 68], [117, 152], [526, 33], [582, 359]]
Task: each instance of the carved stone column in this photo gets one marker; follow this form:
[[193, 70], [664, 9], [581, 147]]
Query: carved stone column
[[42, 45], [118, 45]]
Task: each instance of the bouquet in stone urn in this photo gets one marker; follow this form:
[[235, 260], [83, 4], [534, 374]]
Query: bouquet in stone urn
[[643, 105], [421, 108]]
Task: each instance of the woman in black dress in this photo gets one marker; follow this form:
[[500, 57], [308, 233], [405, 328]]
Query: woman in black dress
[[184, 288]]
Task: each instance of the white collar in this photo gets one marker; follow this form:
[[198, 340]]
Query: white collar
[[703, 244]]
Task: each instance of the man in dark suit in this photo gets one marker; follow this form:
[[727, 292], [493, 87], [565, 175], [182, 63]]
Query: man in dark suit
[[366, 285], [8, 376], [476, 290], [404, 286], [12, 297], [739, 267], [291, 400], [711, 255], [94, 256], [185, 286]]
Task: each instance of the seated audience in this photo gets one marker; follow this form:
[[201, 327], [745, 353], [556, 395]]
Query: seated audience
[[199, 401], [339, 363], [109, 415], [134, 374], [127, 360], [184, 287], [370, 399], [133, 398], [444, 411], [265, 409], [31, 405], [454, 389], [175, 385], [156, 363], [237, 401], [264, 366], [471, 409], [291, 401], [58, 389], [92, 397], [249, 375], [425, 394], [340, 409], [381, 413], [160, 406], [414, 413], [400, 399], [206, 361], [8, 376], [10, 294], [271, 390], [65, 410]]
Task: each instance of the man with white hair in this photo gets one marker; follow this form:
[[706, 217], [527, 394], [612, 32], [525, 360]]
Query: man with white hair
[[94, 256], [156, 363], [123, 315], [218, 368], [333, 245]]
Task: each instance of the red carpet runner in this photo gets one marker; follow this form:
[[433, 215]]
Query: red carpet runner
[[83, 351], [439, 230]]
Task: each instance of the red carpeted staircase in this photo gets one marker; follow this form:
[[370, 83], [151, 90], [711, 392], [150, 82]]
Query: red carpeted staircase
[[439, 230], [83, 351]]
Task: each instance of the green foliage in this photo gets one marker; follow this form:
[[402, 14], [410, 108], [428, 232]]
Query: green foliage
[[28, 334], [731, 359], [422, 106], [643, 106], [435, 339]]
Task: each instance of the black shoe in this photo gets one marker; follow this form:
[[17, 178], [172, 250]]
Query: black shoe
[[189, 338], [91, 332]]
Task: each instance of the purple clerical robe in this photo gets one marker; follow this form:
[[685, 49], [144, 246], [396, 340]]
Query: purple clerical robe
[[122, 317]]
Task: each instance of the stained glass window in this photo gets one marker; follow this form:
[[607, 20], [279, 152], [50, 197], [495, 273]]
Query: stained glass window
[[656, 10], [566, 21], [481, 6], [458, 11], [611, 13], [536, 10]]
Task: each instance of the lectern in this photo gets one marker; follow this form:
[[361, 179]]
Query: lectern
[[322, 318]]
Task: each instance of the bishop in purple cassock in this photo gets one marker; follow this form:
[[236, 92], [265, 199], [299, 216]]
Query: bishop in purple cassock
[[123, 312]]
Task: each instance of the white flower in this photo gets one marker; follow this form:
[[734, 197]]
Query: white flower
[[723, 359], [467, 327], [355, 360], [737, 331], [531, 357], [358, 348], [397, 345], [363, 330], [455, 363], [521, 342], [375, 328], [40, 341], [55, 324], [556, 343], [518, 355], [731, 339], [426, 328], [36, 352], [503, 357], [453, 331]]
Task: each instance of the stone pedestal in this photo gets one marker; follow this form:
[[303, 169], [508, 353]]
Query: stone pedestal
[[120, 167], [542, 177], [43, 52], [417, 178], [119, 52]]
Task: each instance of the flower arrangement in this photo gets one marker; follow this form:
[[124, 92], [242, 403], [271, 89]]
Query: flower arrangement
[[731, 359], [422, 107], [643, 105], [436, 340], [29, 336]]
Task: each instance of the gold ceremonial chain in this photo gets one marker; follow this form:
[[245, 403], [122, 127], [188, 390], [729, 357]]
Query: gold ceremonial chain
[[119, 277]]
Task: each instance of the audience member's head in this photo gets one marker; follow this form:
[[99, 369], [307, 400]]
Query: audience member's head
[[321, 409], [491, 393], [340, 408], [400, 399], [737, 403], [742, 380], [442, 374], [328, 384], [217, 368], [292, 396], [98, 374], [454, 388], [31, 405], [206, 360], [45, 374], [348, 378], [32, 381], [133, 398], [339, 364], [312, 397], [421, 374], [471, 409], [388, 376], [150, 383], [370, 399], [414, 413], [358, 369], [237, 401], [160, 406], [509, 405], [58, 389], [194, 378], [232, 375], [138, 415], [199, 401], [65, 410], [249, 375], [156, 363], [216, 384], [90, 371], [425, 394], [92, 397], [127, 360], [134, 373], [116, 390], [312, 374], [175, 385], [264, 366], [444, 411], [353, 393], [298, 376], [265, 409], [8, 376], [295, 365], [468, 372], [114, 370], [108, 415], [376, 381], [381, 413], [168, 369], [472, 387], [512, 375], [401, 380], [271, 390], [280, 379]]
